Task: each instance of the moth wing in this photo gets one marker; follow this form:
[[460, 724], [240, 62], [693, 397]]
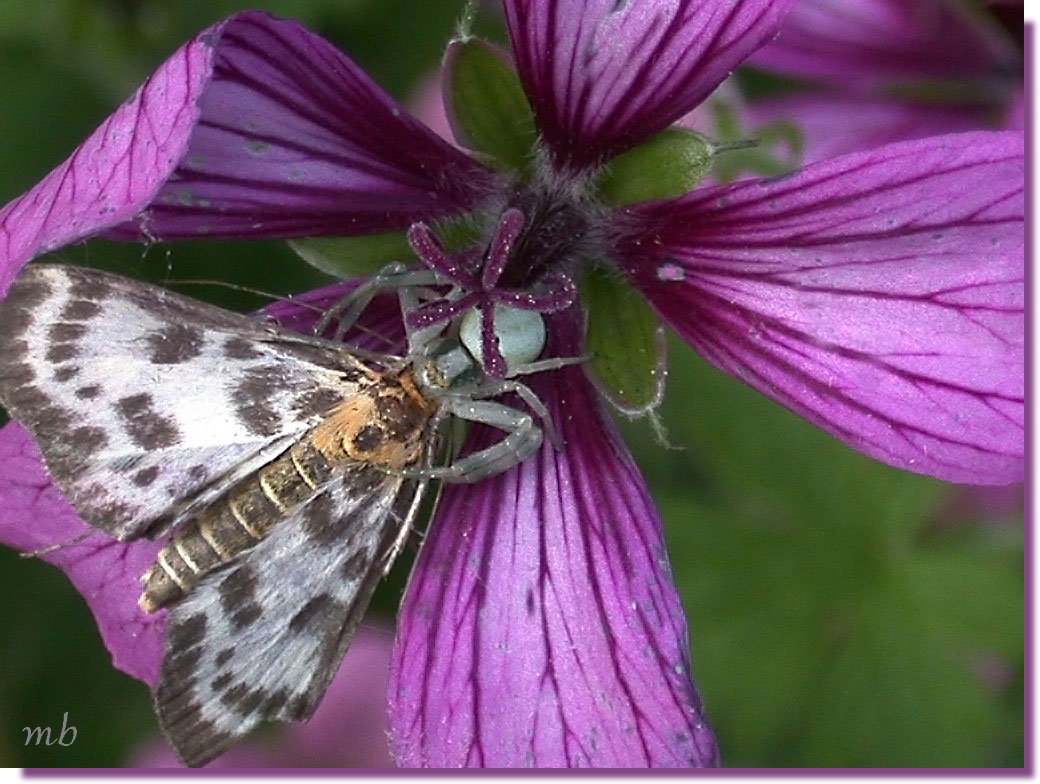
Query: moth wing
[[260, 638], [146, 404]]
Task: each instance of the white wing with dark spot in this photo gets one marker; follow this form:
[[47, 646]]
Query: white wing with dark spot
[[260, 638], [148, 405]]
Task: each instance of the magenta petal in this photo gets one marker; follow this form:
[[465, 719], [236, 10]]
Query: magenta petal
[[294, 139], [837, 123], [541, 626], [1015, 116], [602, 75], [355, 704], [866, 41], [34, 515], [115, 172], [255, 128], [879, 295]]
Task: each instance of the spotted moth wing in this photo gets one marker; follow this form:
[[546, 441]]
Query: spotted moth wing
[[261, 637], [147, 405]]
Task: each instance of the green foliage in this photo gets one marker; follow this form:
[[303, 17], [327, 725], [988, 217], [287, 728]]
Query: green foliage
[[769, 150], [70, 112], [52, 662], [351, 257], [834, 619]]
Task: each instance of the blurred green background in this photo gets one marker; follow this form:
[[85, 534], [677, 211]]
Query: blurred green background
[[841, 613]]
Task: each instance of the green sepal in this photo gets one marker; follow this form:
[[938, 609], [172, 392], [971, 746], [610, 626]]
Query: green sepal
[[668, 164], [777, 147], [353, 257], [625, 342], [486, 105]]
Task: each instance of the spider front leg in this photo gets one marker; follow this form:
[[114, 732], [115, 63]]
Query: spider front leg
[[349, 308], [522, 440]]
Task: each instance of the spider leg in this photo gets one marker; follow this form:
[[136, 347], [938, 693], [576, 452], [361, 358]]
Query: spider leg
[[542, 365], [522, 440], [349, 308], [408, 296], [490, 388]]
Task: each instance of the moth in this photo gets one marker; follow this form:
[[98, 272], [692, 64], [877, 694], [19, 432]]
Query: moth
[[286, 469]]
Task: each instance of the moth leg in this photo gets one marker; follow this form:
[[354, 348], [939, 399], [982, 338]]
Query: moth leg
[[410, 515]]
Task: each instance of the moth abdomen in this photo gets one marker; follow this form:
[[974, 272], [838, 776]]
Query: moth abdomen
[[235, 523], [383, 426]]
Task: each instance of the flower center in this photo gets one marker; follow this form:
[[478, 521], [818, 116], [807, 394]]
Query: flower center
[[555, 234], [526, 265]]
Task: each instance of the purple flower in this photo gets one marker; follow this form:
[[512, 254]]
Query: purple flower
[[878, 295], [879, 71]]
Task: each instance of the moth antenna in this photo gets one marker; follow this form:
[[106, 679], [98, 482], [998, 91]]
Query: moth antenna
[[243, 289], [369, 332], [54, 547]]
